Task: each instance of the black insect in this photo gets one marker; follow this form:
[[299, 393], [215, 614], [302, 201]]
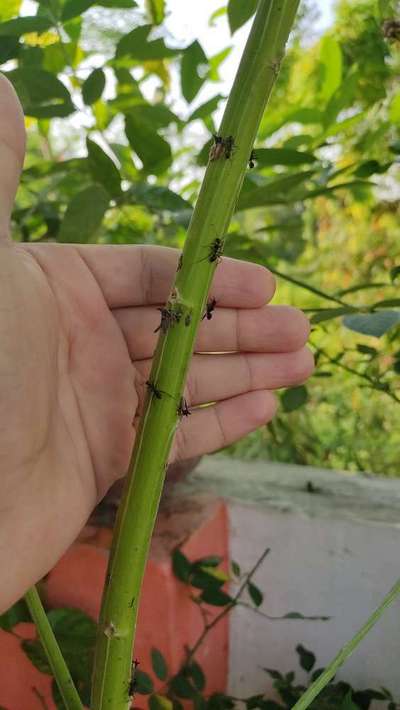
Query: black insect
[[222, 147], [210, 308], [216, 250], [183, 409], [133, 682], [229, 146], [252, 159], [168, 318], [153, 389], [180, 263], [217, 150]]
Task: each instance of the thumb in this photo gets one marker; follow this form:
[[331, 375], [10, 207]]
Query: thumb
[[12, 152]]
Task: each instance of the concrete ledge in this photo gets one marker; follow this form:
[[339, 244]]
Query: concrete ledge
[[315, 492]]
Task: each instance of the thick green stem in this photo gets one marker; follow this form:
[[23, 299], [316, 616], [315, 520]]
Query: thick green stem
[[222, 182], [58, 666], [323, 680]]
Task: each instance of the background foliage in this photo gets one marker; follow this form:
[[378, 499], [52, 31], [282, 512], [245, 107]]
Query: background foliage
[[118, 140]]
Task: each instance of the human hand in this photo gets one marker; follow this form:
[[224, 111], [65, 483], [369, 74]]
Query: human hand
[[77, 335]]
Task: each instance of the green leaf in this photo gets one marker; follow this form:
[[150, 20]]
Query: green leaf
[[282, 156], [159, 664], [181, 566], [9, 9], [210, 561], [137, 46], [37, 656], [219, 701], [157, 198], [329, 313], [42, 94], [103, 169], [84, 214], [375, 324], [216, 597], [144, 684], [206, 109], [15, 615], [93, 86], [9, 48], [239, 11], [294, 398], [195, 672], [347, 703], [306, 658], [194, 68], [22, 25], [394, 273], [371, 167], [235, 568], [201, 579], [255, 594], [156, 11], [331, 67], [366, 349], [273, 192], [154, 152], [160, 702], [182, 687], [394, 110], [73, 8]]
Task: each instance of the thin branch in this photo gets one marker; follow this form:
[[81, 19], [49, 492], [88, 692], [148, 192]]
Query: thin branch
[[227, 608]]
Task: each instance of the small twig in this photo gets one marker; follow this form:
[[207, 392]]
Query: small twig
[[40, 697], [373, 383], [208, 627], [313, 289], [246, 605]]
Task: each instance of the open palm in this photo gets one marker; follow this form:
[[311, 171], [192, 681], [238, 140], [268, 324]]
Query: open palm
[[77, 336]]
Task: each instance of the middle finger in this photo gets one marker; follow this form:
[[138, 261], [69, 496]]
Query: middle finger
[[267, 329]]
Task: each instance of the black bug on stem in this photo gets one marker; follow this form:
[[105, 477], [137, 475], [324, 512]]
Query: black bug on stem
[[210, 308], [252, 159], [183, 409], [223, 147], [229, 146], [216, 250], [180, 262], [133, 681], [153, 389], [217, 150]]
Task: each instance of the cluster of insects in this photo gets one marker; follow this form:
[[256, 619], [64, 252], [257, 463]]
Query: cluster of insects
[[222, 147], [168, 318]]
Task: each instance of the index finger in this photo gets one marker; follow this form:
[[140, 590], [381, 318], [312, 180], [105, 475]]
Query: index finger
[[140, 275]]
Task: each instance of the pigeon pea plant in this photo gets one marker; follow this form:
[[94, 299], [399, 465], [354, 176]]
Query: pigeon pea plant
[[55, 72]]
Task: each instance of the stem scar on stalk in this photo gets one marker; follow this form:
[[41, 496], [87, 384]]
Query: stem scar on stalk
[[210, 308]]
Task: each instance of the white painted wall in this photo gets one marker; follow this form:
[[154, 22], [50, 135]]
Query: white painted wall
[[334, 552]]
